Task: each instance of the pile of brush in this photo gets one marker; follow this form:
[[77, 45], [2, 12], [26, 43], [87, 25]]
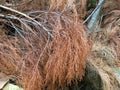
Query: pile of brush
[[43, 50]]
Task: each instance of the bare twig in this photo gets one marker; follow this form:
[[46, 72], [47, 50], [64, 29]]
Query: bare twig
[[28, 17], [7, 16]]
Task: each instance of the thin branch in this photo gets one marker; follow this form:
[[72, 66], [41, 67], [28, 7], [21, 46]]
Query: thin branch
[[28, 17], [17, 30], [7, 16]]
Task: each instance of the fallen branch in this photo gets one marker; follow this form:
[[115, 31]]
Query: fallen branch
[[95, 12]]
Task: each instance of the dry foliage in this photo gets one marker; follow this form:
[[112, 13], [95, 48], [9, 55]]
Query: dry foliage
[[47, 56], [110, 5], [106, 63], [50, 55], [111, 31], [49, 5], [105, 53]]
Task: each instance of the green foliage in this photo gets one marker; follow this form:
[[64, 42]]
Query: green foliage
[[91, 3]]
